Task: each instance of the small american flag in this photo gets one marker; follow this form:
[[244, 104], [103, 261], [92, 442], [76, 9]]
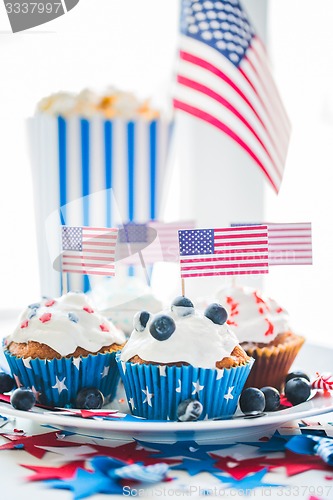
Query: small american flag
[[225, 251], [223, 78], [89, 250], [289, 244], [157, 242]]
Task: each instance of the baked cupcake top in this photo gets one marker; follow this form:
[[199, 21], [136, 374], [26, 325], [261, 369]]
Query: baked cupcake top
[[253, 317], [182, 335], [64, 324]]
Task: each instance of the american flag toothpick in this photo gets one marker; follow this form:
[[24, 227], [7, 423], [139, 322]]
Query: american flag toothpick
[[224, 251]]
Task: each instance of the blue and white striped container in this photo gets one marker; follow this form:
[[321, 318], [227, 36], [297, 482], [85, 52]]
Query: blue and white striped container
[[57, 381], [154, 392], [94, 172]]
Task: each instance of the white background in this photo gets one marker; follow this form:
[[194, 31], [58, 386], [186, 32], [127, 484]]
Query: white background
[[132, 45]]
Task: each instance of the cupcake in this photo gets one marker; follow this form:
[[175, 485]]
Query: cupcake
[[119, 299], [61, 346], [263, 329], [180, 355]]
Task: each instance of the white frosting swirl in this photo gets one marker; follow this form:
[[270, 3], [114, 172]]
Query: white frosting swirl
[[196, 340], [253, 317], [121, 298], [64, 324]]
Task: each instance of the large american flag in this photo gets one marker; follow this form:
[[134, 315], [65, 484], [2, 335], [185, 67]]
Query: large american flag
[[225, 251], [223, 78], [89, 250], [157, 241]]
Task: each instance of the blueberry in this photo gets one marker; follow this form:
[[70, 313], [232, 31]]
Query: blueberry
[[252, 401], [89, 398], [216, 313], [7, 383], [23, 399], [296, 374], [182, 306], [140, 320], [162, 327], [272, 398], [297, 390], [189, 410]]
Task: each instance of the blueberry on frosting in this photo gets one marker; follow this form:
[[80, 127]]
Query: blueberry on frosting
[[216, 313], [162, 327], [182, 306], [140, 320]]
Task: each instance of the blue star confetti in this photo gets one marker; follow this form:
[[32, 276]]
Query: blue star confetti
[[249, 482], [189, 449], [193, 467]]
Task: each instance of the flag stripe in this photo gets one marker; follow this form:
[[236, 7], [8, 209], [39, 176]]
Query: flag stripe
[[203, 250], [224, 79], [218, 124], [85, 250]]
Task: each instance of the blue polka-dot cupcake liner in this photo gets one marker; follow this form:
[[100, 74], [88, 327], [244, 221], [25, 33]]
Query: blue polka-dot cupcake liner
[[56, 382], [155, 391]]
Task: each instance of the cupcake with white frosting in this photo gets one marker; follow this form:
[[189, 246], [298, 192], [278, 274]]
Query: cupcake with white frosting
[[61, 346], [263, 329], [183, 354]]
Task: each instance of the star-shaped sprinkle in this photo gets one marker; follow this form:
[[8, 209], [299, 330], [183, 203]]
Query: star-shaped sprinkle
[[194, 467], [189, 449], [148, 395], [104, 327], [60, 385], [86, 483], [249, 482], [50, 303], [197, 387], [25, 324], [88, 309], [44, 318], [229, 395], [73, 317], [42, 473]]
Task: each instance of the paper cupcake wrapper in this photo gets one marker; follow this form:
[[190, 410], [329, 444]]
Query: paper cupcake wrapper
[[58, 381], [272, 364], [154, 392], [99, 172]]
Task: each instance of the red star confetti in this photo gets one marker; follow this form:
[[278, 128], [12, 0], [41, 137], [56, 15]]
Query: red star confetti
[[131, 453], [42, 473], [32, 444], [45, 317], [295, 463], [238, 469]]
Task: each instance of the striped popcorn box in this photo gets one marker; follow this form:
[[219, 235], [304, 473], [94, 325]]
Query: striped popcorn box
[[94, 172]]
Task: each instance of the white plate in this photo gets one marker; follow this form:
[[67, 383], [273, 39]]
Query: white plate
[[234, 429]]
